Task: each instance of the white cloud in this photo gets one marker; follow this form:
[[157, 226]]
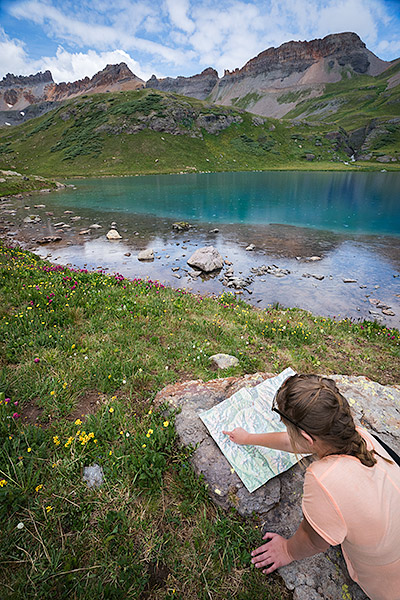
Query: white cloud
[[178, 10], [13, 57], [67, 66]]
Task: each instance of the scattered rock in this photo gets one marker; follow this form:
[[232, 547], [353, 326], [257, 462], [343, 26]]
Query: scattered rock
[[313, 258], [127, 254], [175, 269], [85, 232], [349, 280], [32, 219], [271, 270], [76, 218], [319, 277], [224, 361], [309, 156], [40, 206], [250, 247], [234, 281], [214, 231], [68, 212], [206, 259], [147, 254], [181, 226], [49, 239], [93, 475], [95, 226], [113, 235]]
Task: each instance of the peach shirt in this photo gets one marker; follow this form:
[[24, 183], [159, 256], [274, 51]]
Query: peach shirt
[[358, 507]]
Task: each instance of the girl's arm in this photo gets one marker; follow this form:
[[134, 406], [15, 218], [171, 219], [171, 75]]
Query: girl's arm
[[275, 440]]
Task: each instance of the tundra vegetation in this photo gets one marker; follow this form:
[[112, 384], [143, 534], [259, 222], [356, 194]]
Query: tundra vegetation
[[82, 356]]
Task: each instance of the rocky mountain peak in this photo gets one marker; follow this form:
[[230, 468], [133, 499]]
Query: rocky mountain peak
[[112, 73], [11, 80]]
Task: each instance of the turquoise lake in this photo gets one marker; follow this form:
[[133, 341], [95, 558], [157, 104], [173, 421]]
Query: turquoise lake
[[350, 221]]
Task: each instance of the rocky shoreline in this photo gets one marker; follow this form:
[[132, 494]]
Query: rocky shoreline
[[27, 220]]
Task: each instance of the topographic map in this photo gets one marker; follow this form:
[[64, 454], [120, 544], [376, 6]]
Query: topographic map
[[250, 408]]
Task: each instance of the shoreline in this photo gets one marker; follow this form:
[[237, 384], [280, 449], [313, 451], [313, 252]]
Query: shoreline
[[77, 244]]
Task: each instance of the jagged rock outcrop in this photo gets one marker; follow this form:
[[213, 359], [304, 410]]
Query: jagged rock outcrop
[[273, 82], [111, 78], [18, 92], [198, 86]]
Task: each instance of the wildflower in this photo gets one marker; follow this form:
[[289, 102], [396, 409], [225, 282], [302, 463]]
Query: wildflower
[[69, 442], [20, 526], [16, 403], [52, 393], [36, 360], [7, 400], [3, 482], [29, 449], [124, 381], [111, 410], [49, 508], [78, 422], [127, 434], [15, 415], [73, 346], [143, 445], [166, 423], [56, 440], [38, 487], [109, 454], [113, 397]]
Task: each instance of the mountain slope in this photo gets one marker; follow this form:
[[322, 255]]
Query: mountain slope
[[149, 131]]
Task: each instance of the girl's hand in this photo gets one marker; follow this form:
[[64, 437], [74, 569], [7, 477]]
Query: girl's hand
[[273, 554], [238, 435]]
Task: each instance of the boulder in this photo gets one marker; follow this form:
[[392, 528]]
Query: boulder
[[32, 219], [206, 259], [113, 235], [224, 361], [147, 254]]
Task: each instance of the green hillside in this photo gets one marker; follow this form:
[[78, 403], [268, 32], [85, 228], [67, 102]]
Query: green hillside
[[148, 131]]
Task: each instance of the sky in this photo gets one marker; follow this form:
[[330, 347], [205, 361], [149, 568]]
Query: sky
[[77, 38]]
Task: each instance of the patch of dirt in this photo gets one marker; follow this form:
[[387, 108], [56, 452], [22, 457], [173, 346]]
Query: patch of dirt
[[88, 404], [158, 575], [32, 413]]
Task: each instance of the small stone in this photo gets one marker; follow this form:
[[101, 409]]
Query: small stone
[[40, 206], [84, 232], [147, 254], [224, 361], [127, 254], [349, 280], [93, 475], [250, 247], [68, 212], [113, 235], [95, 226]]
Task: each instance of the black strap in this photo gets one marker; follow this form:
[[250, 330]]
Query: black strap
[[388, 449]]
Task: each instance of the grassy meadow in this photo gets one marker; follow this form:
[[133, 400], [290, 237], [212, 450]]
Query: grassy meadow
[[78, 343]]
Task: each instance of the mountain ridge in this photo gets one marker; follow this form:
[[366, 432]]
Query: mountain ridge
[[272, 84]]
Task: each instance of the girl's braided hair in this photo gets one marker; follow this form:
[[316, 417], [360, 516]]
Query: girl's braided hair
[[317, 406]]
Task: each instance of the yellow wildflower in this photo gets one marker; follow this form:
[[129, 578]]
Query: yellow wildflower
[[49, 508], [38, 487], [52, 393], [3, 482], [111, 410], [69, 442], [56, 440], [166, 423], [29, 449], [78, 422], [143, 445]]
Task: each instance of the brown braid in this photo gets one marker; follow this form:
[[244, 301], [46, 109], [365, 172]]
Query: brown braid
[[318, 407]]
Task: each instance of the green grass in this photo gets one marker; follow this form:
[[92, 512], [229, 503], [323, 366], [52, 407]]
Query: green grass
[[150, 531], [103, 135], [12, 183]]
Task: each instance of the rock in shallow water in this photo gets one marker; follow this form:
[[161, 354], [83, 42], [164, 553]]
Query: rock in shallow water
[[147, 254], [113, 235], [207, 259]]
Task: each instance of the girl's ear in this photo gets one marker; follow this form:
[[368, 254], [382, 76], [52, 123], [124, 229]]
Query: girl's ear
[[307, 437]]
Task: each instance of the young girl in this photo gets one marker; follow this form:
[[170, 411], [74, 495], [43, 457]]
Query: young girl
[[351, 493]]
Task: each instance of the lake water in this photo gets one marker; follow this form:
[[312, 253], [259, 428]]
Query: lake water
[[350, 220]]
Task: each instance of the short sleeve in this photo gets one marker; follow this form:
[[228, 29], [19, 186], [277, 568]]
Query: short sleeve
[[321, 511]]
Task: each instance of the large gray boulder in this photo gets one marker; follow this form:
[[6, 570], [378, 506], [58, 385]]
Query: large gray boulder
[[207, 259], [278, 502]]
